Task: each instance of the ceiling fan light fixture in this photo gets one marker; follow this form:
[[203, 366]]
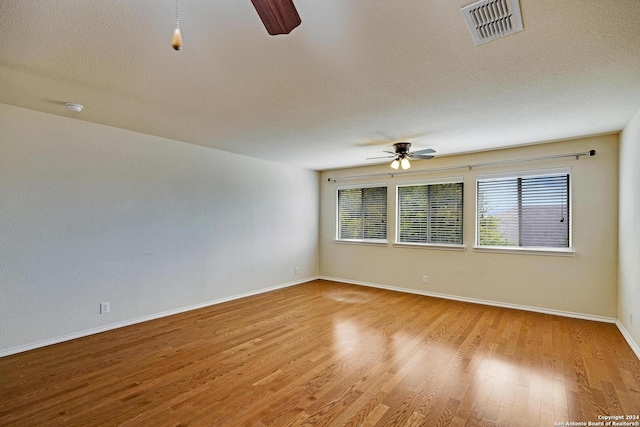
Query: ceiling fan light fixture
[[401, 155]]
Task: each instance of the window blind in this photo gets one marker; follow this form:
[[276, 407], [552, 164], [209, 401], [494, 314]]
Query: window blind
[[524, 211], [430, 213], [362, 213]]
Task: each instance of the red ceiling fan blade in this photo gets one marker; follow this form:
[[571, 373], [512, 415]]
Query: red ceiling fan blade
[[278, 16]]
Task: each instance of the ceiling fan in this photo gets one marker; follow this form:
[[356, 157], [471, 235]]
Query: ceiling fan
[[402, 155], [278, 17]]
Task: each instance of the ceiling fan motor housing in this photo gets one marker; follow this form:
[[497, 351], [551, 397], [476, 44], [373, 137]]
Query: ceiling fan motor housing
[[402, 148]]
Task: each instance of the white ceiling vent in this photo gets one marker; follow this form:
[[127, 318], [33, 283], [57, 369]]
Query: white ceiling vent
[[492, 19]]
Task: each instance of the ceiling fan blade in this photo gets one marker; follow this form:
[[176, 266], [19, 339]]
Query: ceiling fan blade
[[421, 156], [382, 157], [390, 152], [278, 16], [425, 151]]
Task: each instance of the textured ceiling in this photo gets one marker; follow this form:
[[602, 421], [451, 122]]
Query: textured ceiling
[[353, 78]]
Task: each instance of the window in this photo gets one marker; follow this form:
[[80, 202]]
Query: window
[[524, 210], [362, 213], [430, 212]]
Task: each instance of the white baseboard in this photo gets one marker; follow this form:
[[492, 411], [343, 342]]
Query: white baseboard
[[31, 346], [628, 338], [634, 346], [479, 301], [111, 326]]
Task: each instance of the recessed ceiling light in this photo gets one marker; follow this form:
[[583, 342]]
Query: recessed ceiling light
[[76, 108]]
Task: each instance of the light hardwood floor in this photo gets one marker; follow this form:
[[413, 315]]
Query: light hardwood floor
[[329, 354]]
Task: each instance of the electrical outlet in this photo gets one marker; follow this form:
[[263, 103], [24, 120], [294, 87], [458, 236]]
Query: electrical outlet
[[425, 279], [104, 307], [297, 270], [631, 318]]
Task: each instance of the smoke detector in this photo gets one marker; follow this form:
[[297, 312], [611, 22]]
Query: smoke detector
[[76, 108], [492, 19]]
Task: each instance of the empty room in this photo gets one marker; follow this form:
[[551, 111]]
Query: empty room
[[336, 213]]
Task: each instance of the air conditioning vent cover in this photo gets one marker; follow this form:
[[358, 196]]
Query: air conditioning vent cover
[[492, 19]]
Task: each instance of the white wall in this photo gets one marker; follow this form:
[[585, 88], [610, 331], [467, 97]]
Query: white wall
[[585, 284], [629, 272], [91, 213]]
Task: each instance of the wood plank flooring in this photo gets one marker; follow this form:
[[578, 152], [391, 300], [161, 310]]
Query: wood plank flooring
[[329, 354]]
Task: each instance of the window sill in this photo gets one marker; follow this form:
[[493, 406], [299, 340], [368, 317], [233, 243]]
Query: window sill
[[362, 242], [567, 252], [436, 246]]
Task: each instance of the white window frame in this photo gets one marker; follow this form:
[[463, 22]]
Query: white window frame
[[338, 239], [434, 181], [527, 250]]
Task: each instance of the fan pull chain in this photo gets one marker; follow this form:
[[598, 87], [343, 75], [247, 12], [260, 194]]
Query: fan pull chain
[[177, 35]]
